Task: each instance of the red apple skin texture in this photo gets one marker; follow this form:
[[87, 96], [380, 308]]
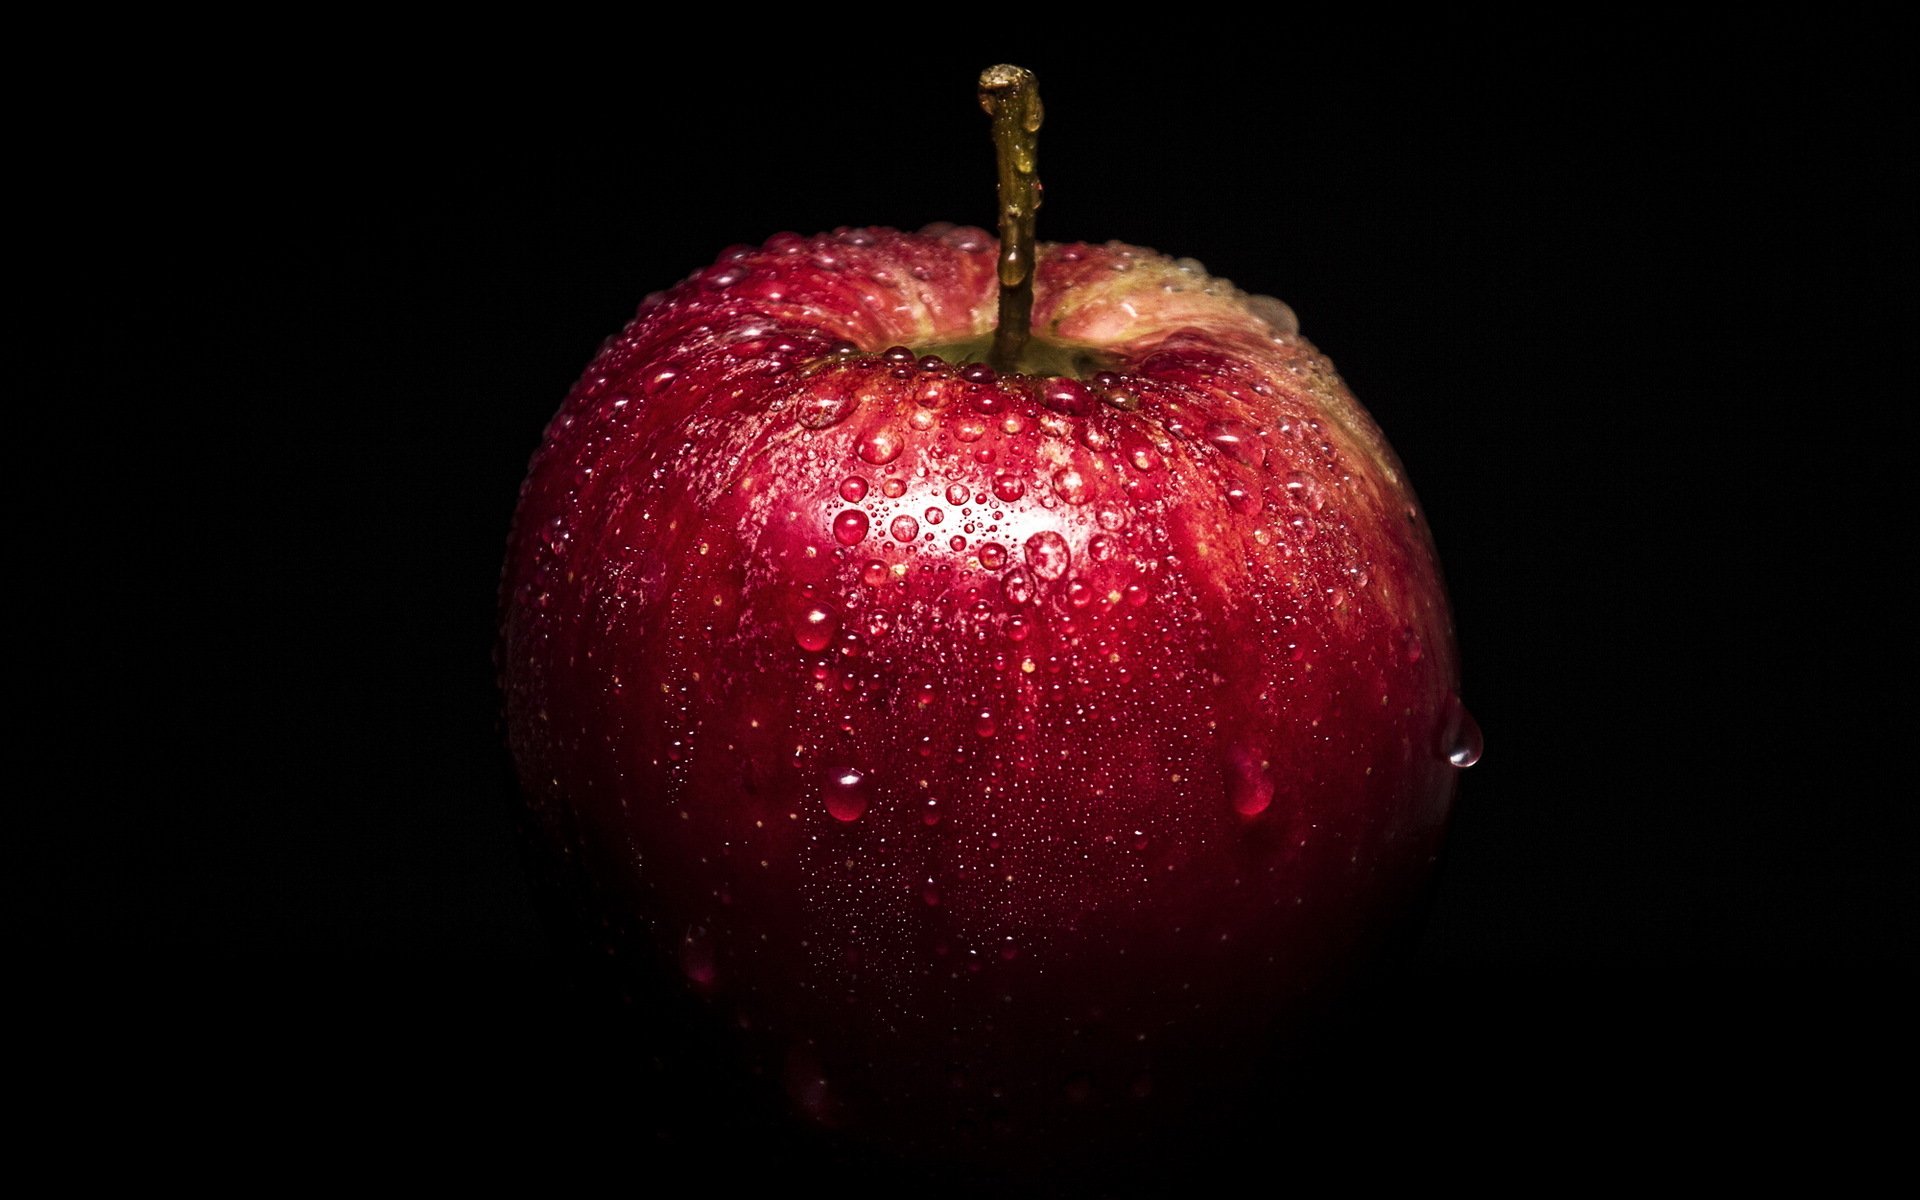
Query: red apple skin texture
[[1012, 757]]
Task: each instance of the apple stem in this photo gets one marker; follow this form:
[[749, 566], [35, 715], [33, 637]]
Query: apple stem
[[1011, 96]]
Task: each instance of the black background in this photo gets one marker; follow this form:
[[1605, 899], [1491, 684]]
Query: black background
[[1632, 302]]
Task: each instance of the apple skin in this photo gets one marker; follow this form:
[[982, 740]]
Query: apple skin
[[1008, 760]]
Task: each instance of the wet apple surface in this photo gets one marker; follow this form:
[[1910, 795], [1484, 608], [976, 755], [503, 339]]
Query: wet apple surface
[[1007, 754]]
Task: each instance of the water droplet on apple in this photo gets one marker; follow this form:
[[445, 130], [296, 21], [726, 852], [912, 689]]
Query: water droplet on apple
[[969, 429], [968, 239], [846, 794], [893, 489], [873, 573], [1068, 396], [850, 527], [1100, 547], [935, 514], [1111, 517], [881, 446], [1305, 491], [1007, 486], [1093, 437], [1048, 555], [984, 724], [904, 528], [823, 410], [1249, 784], [1017, 586], [978, 373], [1242, 500], [993, 556], [956, 493], [1462, 742], [1070, 485], [814, 626], [1278, 315], [696, 956], [1235, 439]]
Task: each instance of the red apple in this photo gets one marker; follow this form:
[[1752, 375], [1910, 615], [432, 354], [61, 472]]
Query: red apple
[[1007, 755]]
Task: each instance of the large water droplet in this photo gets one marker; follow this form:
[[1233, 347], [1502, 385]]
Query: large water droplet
[[1007, 486], [881, 446], [1461, 742], [1278, 315], [1048, 555], [993, 556], [853, 489], [820, 410], [904, 528], [1249, 784], [696, 956], [1305, 490], [1068, 396], [1237, 440], [1070, 485], [956, 493], [850, 527], [814, 626], [873, 573], [1017, 586], [846, 794]]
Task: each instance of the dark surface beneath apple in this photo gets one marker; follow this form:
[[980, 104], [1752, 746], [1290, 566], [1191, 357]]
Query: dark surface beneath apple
[[1626, 308]]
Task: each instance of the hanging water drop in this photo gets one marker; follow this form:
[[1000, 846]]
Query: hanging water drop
[[1462, 742]]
